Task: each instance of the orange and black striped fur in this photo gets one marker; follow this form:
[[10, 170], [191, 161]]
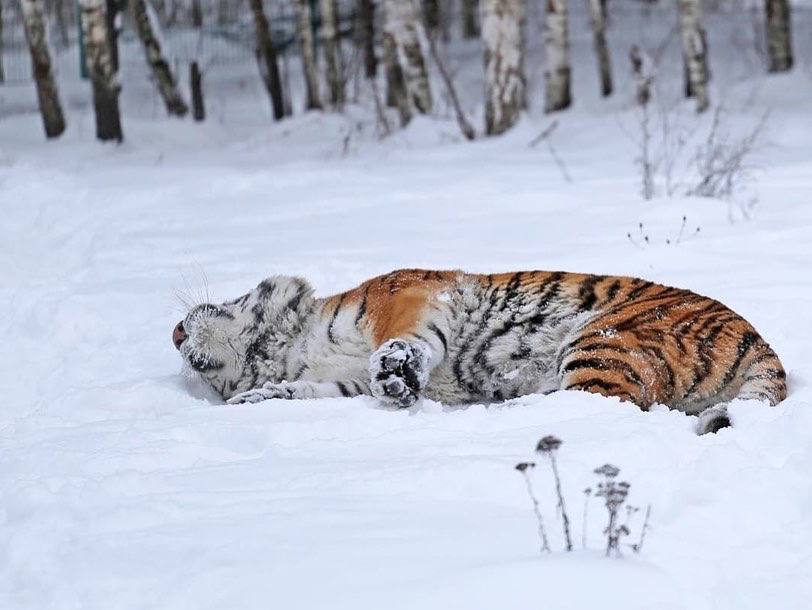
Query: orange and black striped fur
[[460, 338]]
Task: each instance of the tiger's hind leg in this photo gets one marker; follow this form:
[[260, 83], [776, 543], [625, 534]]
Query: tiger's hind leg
[[611, 369]]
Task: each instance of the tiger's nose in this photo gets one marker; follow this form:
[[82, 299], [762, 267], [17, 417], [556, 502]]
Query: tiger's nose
[[179, 335]]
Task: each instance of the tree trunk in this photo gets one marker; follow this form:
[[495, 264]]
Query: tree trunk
[[61, 22], [196, 85], [111, 14], [47, 93], [396, 94], [267, 61], [403, 28], [502, 27], [304, 32], [597, 19], [146, 24], [332, 53], [2, 72], [557, 55], [779, 40], [431, 16], [694, 50], [470, 23], [197, 14], [100, 67], [366, 28]]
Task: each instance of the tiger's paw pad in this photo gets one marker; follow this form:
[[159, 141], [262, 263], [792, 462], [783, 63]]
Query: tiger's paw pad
[[266, 392], [399, 371]]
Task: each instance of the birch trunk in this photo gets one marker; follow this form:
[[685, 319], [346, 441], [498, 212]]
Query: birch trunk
[[148, 32], [403, 28], [196, 85], [470, 23], [597, 19], [266, 60], [557, 54], [61, 22], [502, 27], [396, 94], [2, 72], [304, 32], [332, 53], [779, 40], [100, 68], [51, 110], [366, 29], [694, 51]]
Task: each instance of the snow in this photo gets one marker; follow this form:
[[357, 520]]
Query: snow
[[124, 483]]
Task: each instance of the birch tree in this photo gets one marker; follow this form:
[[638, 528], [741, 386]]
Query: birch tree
[[557, 56], [404, 30], [779, 41], [597, 19], [332, 53], [267, 61], [502, 34], [47, 94], [366, 31], [396, 94], [694, 51], [146, 25], [100, 68], [304, 33], [470, 23], [2, 72]]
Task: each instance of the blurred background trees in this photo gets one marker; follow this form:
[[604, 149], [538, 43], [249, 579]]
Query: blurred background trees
[[339, 43]]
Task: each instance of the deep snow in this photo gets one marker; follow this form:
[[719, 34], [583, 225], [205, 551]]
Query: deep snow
[[126, 484]]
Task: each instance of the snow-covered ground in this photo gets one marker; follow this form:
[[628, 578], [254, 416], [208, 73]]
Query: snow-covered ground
[[126, 484]]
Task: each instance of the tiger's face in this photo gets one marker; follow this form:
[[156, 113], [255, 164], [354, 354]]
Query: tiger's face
[[238, 344], [212, 340]]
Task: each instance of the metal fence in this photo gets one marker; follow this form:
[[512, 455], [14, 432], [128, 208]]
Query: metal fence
[[212, 32]]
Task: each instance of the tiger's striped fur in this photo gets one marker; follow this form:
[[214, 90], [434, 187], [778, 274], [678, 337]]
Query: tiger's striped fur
[[460, 338]]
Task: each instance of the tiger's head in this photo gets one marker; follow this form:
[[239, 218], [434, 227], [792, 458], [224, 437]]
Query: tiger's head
[[241, 344]]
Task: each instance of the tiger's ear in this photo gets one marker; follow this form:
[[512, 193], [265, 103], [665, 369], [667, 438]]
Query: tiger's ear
[[283, 292]]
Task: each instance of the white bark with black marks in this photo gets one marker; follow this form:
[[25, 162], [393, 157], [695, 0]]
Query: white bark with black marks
[[597, 19], [502, 34], [404, 30], [304, 32], [99, 59], [146, 25], [332, 53], [47, 93], [779, 39], [267, 61], [396, 95], [557, 69], [694, 51]]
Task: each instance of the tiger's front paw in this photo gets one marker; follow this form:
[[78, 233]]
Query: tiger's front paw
[[399, 371], [266, 392]]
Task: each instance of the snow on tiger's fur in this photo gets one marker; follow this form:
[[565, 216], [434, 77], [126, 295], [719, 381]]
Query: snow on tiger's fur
[[460, 338]]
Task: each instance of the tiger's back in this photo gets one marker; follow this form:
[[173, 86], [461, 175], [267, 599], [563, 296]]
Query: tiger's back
[[510, 334]]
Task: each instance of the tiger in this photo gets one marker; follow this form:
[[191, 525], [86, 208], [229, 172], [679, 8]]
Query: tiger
[[460, 338]]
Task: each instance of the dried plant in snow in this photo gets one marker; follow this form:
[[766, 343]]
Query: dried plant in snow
[[614, 494], [522, 467], [548, 446], [722, 162]]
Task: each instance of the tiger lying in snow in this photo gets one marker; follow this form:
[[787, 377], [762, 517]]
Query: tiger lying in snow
[[460, 338]]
